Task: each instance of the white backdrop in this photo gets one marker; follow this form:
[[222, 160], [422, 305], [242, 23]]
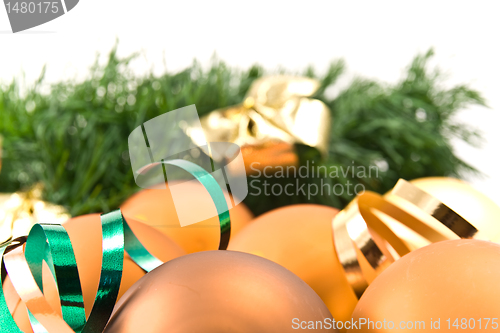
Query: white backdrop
[[376, 38]]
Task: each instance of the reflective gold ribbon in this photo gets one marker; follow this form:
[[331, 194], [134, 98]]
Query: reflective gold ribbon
[[364, 243], [277, 113], [21, 210], [51, 243]]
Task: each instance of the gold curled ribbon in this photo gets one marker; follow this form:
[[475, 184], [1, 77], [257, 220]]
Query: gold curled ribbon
[[365, 245]]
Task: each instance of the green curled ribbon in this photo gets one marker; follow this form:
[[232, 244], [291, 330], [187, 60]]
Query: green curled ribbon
[[51, 243]]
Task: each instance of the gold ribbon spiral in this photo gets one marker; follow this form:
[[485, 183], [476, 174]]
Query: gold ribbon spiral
[[366, 245]]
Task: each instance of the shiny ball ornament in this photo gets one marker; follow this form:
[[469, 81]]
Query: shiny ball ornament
[[475, 207], [155, 207], [85, 233], [299, 238], [454, 279], [218, 292], [470, 203]]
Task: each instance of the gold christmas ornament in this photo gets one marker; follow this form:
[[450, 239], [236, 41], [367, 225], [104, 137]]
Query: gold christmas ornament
[[443, 287], [276, 114], [374, 231], [156, 208], [220, 291], [471, 204], [298, 238]]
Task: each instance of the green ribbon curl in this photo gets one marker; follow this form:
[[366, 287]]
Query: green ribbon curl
[[51, 243]]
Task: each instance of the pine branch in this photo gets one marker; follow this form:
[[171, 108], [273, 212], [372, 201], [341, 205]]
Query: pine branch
[[74, 138]]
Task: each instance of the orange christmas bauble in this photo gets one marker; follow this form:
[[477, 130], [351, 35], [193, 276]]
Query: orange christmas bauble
[[219, 292], [446, 286], [299, 238], [156, 208], [86, 237]]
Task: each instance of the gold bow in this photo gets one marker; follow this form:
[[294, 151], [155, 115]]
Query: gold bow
[[20, 210], [276, 114]]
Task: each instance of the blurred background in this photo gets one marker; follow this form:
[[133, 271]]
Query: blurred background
[[122, 63]]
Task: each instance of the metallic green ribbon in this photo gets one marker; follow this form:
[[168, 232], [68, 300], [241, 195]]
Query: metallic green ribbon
[[51, 243], [216, 194]]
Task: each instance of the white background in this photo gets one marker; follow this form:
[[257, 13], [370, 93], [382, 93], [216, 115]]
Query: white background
[[376, 38]]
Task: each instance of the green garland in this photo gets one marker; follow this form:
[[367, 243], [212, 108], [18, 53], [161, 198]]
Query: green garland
[[73, 138]]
